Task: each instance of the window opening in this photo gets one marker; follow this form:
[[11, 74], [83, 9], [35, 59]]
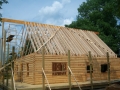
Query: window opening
[[104, 67], [59, 68]]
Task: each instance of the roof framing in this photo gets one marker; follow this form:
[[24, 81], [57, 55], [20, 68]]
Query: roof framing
[[24, 22], [58, 40]]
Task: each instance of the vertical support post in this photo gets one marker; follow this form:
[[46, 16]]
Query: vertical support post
[[1, 51], [108, 64], [8, 52], [7, 76], [12, 76], [69, 73], [91, 70], [7, 66], [13, 57], [4, 41], [119, 51], [2, 54], [43, 66], [1, 75], [12, 67], [4, 49], [12, 86], [0, 59]]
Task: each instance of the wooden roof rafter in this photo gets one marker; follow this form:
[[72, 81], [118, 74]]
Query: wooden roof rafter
[[58, 40]]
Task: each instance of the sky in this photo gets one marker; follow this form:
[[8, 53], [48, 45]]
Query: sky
[[56, 12]]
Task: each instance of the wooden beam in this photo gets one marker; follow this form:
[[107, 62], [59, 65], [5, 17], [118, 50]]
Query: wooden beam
[[16, 21], [7, 68], [91, 66], [108, 66], [12, 67], [96, 33], [12, 77], [4, 48], [43, 66], [69, 76], [13, 21], [23, 22]]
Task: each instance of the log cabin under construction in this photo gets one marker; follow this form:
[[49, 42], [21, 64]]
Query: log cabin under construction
[[56, 51]]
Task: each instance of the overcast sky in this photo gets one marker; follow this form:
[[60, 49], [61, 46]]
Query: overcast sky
[[57, 12]]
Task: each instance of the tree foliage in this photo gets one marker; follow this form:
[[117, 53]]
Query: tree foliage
[[118, 7], [100, 16]]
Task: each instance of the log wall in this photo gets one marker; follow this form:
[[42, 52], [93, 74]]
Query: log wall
[[33, 73]]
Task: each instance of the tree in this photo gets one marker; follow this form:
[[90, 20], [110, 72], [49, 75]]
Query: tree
[[118, 6], [100, 16], [2, 2]]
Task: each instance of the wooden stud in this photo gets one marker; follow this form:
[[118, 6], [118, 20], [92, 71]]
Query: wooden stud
[[3, 50], [52, 41], [13, 56], [79, 41], [43, 39], [12, 77], [2, 41], [96, 48], [13, 21], [27, 30], [90, 60], [69, 73], [4, 59], [108, 66], [23, 42], [12, 67], [59, 40], [7, 78], [57, 46], [43, 66], [33, 34], [47, 41], [73, 41], [27, 48]]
